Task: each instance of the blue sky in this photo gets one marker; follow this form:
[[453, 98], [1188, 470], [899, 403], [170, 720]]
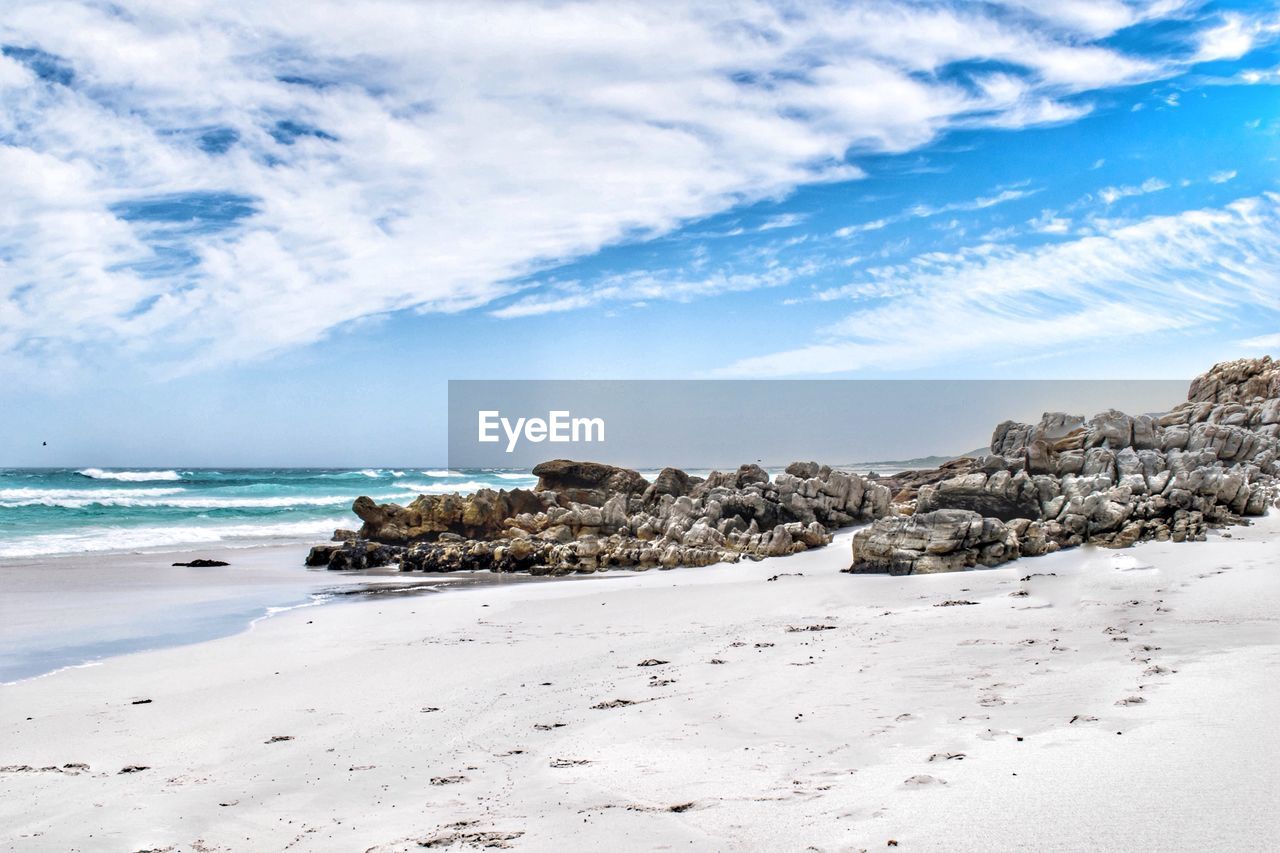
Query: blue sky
[[238, 235]]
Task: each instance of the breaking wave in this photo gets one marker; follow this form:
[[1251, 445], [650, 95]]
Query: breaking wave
[[129, 476]]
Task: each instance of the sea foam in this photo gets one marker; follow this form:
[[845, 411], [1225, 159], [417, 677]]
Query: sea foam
[[444, 488], [100, 539], [135, 498], [129, 476]]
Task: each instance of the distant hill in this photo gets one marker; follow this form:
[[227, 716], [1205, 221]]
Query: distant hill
[[918, 463]]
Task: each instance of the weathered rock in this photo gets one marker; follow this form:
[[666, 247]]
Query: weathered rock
[[728, 516], [320, 555], [355, 555], [480, 515], [670, 481], [1112, 480], [999, 495], [1238, 382], [587, 482], [944, 540]]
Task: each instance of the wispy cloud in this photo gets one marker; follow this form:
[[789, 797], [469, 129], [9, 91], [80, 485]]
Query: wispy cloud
[[1110, 195], [1253, 77], [782, 220], [922, 211], [670, 285], [1165, 273], [430, 156], [1222, 177], [1264, 343]]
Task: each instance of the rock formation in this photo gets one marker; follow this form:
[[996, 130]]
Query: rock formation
[[584, 516], [587, 482], [1111, 480]]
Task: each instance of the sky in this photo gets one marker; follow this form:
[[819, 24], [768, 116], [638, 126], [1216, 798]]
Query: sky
[[234, 234]]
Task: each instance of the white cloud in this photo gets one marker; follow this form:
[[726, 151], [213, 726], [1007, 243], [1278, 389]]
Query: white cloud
[[440, 151], [1265, 343], [1223, 176], [979, 203], [1234, 37], [1095, 17], [641, 287], [1161, 274], [782, 220], [1048, 222], [923, 211], [862, 227], [1253, 77], [1110, 195]]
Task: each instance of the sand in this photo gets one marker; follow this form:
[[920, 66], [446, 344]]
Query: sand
[[69, 610], [1088, 700]]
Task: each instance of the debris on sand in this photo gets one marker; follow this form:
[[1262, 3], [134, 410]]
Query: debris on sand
[[447, 780], [478, 839]]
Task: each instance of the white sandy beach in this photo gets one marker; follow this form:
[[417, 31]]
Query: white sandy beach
[[1125, 702]]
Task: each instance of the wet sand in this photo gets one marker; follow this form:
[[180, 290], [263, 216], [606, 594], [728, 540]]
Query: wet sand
[[68, 611]]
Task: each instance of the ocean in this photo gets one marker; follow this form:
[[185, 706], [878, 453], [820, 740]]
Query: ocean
[[56, 511]]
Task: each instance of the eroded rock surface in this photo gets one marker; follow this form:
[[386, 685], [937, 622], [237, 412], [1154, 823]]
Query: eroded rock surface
[[583, 517], [1112, 480]]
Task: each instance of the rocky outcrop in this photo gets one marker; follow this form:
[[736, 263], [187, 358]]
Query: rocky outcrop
[[944, 540], [476, 516], [1112, 480], [587, 482], [624, 521], [991, 493], [1242, 381]]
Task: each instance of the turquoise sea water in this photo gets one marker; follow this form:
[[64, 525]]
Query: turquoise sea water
[[65, 511]]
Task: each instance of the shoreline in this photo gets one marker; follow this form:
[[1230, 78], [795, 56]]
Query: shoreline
[[93, 599], [82, 610], [517, 714]]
